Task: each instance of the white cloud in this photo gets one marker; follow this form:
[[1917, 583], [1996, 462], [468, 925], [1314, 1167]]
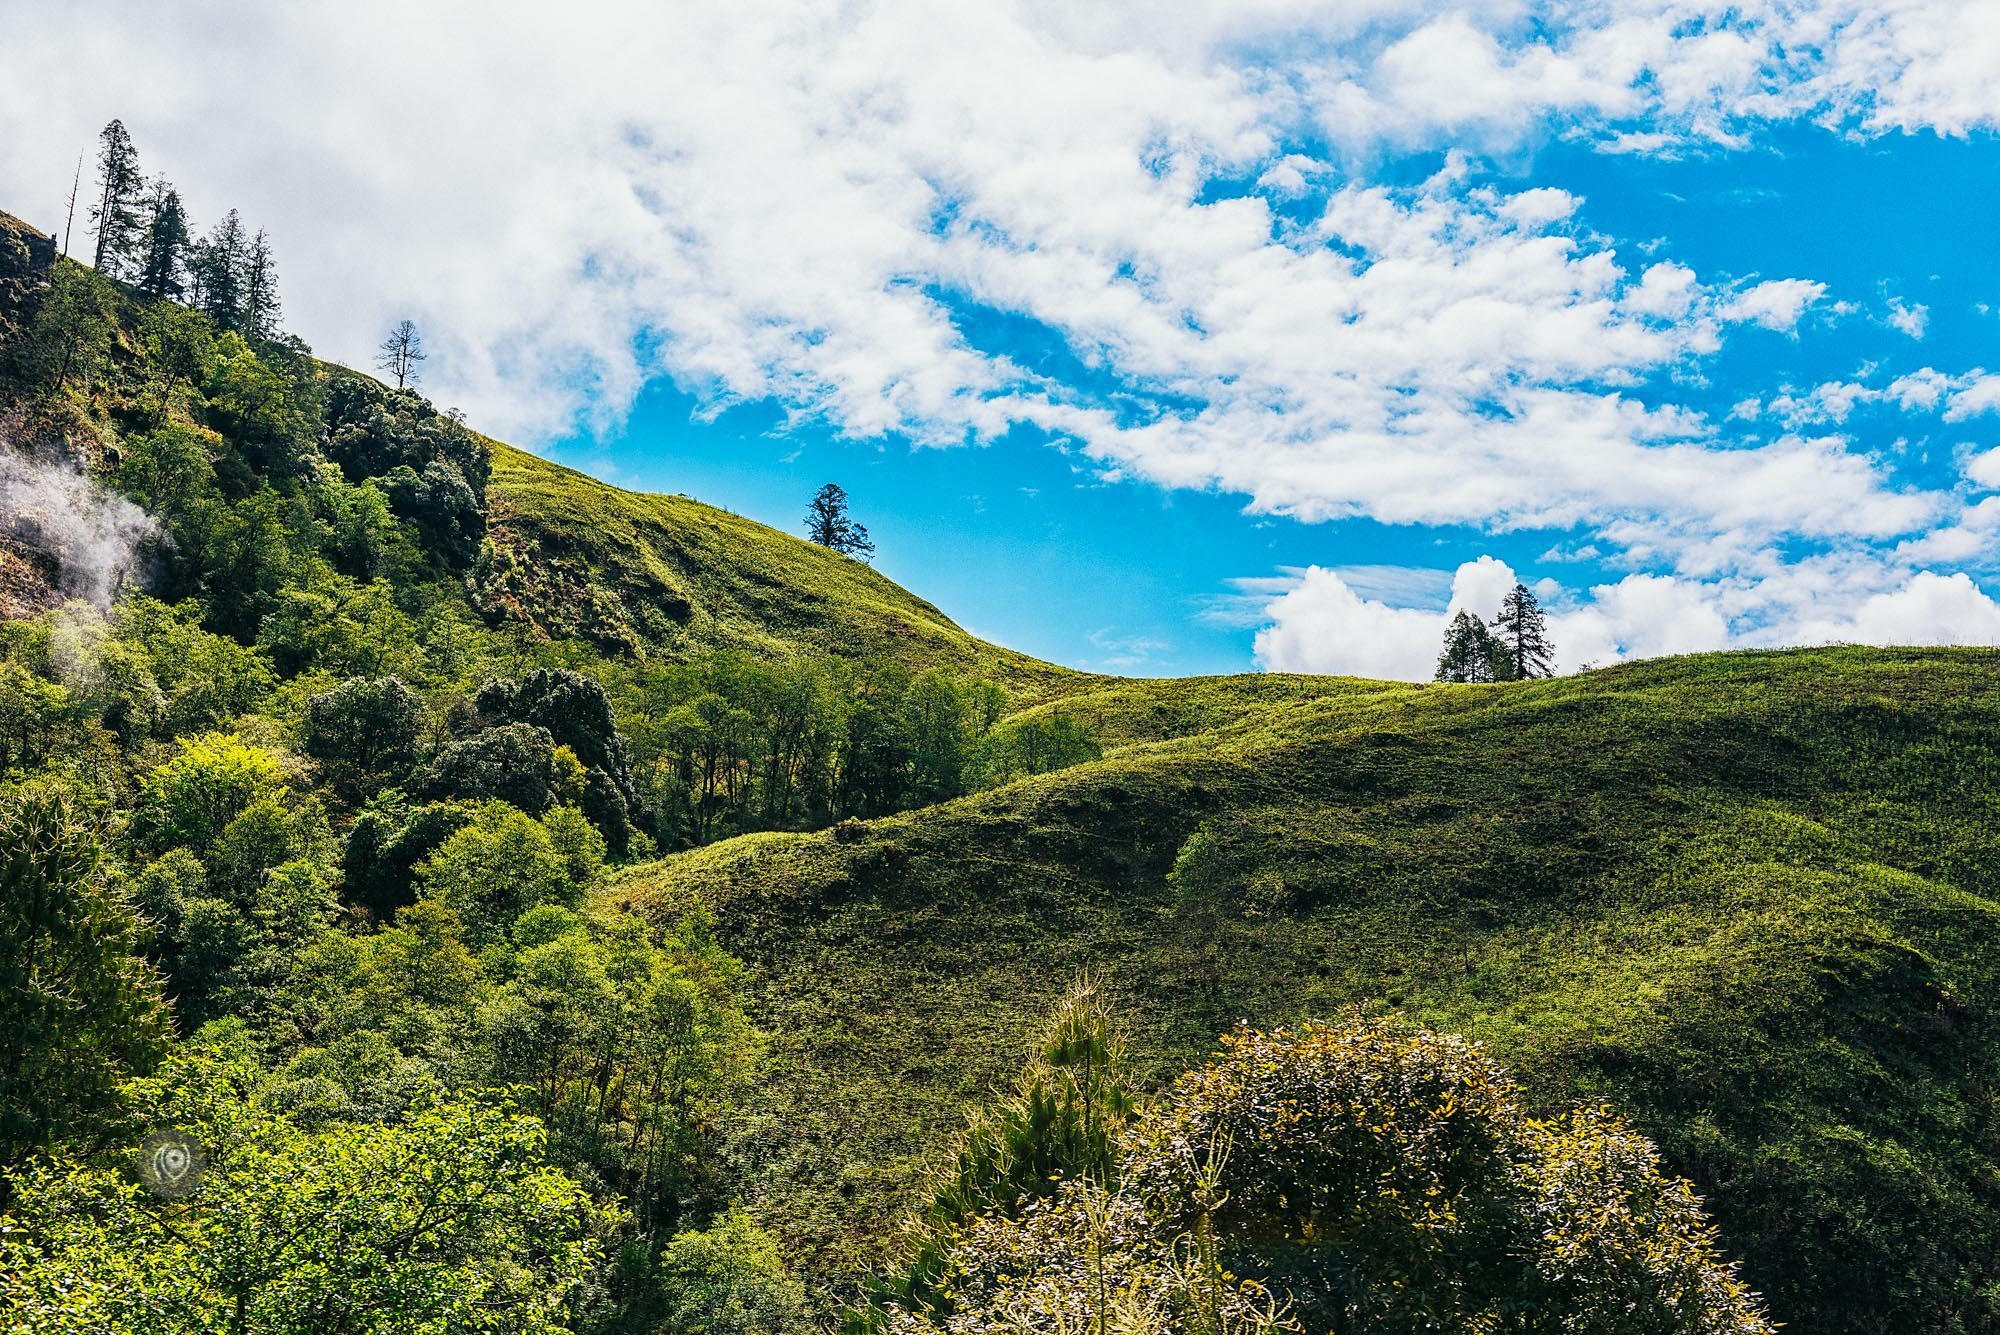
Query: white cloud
[[1322, 625], [1978, 393], [1928, 609], [1911, 318], [1983, 469], [1777, 304], [1920, 389], [1319, 624]]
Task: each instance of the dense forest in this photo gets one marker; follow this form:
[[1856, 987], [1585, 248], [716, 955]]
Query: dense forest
[[422, 911]]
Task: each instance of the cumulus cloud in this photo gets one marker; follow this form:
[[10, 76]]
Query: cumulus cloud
[[1320, 624]]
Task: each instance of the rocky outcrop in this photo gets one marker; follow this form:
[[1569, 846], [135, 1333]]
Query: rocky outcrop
[[25, 254]]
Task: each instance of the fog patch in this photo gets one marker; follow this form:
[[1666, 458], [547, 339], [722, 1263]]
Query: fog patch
[[95, 540]]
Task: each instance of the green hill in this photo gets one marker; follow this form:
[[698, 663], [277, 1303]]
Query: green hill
[[639, 573], [1742, 896]]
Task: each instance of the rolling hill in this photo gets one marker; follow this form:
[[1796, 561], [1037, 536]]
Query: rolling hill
[[1742, 896]]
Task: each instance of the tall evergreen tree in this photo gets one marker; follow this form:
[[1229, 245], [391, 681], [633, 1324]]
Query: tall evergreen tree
[[260, 288], [828, 524], [163, 271], [1470, 651], [1522, 633], [219, 269], [117, 211]]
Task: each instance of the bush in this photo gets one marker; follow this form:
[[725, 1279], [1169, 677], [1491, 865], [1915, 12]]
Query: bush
[[1362, 1176]]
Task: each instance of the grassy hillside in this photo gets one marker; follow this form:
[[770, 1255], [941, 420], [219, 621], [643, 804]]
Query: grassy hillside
[[637, 573], [1742, 896]]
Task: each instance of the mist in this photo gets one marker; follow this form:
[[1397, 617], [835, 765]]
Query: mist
[[94, 539]]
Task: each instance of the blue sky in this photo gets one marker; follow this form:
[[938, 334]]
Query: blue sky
[[1163, 338], [1024, 539]]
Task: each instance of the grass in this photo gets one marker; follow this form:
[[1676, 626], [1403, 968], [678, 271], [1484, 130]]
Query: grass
[[650, 574], [1741, 897]]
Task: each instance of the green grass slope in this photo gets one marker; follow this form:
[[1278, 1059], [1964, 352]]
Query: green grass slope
[[1743, 897], [640, 573]]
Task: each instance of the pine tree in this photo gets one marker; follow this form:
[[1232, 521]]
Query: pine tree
[[1522, 633], [163, 271], [1470, 651], [401, 354], [116, 212], [828, 524], [219, 270], [260, 288]]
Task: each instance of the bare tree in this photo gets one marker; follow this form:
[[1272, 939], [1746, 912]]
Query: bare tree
[[75, 186], [402, 353]]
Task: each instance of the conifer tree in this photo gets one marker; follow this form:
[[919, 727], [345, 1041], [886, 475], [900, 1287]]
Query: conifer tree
[[163, 270], [219, 268], [1470, 651], [828, 524], [260, 288], [116, 212], [1521, 632]]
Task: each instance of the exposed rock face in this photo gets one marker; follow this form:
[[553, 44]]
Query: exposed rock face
[[25, 254]]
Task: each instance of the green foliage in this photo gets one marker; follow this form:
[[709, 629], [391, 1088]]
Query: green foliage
[[1521, 635], [1471, 653], [1039, 744], [730, 1279], [1364, 1176], [1739, 896], [78, 1011], [364, 734], [504, 863], [448, 1218], [512, 762], [434, 472], [668, 577], [1059, 1125], [188, 800], [69, 333], [575, 714]]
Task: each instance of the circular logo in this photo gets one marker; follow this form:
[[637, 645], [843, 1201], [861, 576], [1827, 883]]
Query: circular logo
[[170, 1163]]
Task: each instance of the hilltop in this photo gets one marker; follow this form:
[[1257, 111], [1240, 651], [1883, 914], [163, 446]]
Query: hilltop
[[633, 573]]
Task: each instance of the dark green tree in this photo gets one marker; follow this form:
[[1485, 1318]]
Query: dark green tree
[[829, 525], [79, 1012], [163, 267], [219, 270], [69, 335], [1522, 634], [364, 734], [1471, 654], [514, 762], [574, 711], [447, 1218], [260, 288], [118, 211]]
